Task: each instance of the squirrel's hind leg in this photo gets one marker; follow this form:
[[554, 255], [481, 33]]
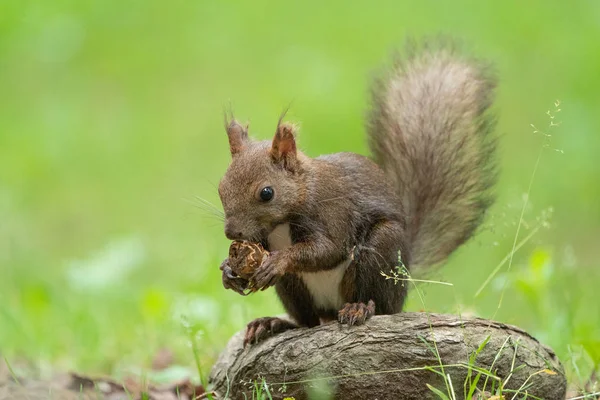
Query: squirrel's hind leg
[[298, 304], [297, 300], [364, 283]]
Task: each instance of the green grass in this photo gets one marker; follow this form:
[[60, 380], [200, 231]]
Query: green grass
[[111, 124]]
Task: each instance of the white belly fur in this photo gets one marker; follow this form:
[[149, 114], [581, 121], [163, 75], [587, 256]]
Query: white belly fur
[[323, 286]]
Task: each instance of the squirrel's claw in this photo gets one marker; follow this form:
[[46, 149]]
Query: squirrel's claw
[[267, 274], [231, 280], [262, 328], [356, 313]]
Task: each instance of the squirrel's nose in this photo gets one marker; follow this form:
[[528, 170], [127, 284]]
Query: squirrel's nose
[[232, 233]]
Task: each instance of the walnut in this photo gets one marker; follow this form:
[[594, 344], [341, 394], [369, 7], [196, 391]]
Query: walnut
[[245, 257]]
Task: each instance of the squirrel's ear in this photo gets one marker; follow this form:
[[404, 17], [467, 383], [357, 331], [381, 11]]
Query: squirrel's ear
[[238, 136], [283, 149]]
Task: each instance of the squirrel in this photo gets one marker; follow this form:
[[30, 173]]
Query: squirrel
[[334, 223]]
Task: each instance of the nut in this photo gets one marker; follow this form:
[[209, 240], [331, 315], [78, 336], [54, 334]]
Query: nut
[[245, 257]]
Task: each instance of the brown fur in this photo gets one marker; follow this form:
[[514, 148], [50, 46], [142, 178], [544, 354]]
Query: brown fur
[[431, 131], [423, 196]]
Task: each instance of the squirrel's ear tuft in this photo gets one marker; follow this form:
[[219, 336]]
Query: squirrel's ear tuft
[[238, 136], [283, 149]]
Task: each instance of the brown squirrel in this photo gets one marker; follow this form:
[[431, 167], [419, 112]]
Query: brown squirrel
[[334, 223]]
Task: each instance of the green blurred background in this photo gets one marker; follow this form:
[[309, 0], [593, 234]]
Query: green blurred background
[[111, 125]]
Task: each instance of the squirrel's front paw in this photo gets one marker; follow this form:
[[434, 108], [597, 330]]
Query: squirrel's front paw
[[231, 280], [268, 272], [356, 313], [262, 328]]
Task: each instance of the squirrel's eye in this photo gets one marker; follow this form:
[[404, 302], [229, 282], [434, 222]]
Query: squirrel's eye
[[266, 193]]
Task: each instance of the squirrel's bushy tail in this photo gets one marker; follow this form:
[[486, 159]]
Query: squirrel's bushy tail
[[431, 131]]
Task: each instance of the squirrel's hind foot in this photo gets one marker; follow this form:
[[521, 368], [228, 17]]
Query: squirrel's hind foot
[[356, 313], [262, 328]]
